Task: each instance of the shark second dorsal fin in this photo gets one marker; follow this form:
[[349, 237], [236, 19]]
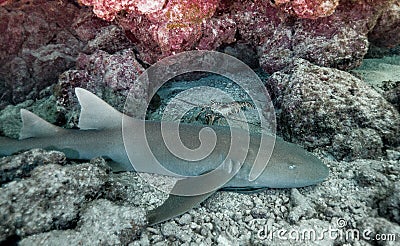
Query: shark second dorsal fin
[[96, 113], [34, 126]]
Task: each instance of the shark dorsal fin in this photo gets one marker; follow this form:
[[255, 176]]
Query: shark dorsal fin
[[34, 126], [96, 113]]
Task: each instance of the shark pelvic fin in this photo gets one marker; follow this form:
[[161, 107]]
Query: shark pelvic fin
[[34, 126], [174, 206], [96, 113]]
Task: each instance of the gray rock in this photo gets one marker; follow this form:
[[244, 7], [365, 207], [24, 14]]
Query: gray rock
[[276, 53], [101, 223], [386, 32], [393, 155], [383, 74], [185, 219], [35, 69], [339, 40], [20, 166], [389, 206], [233, 218], [301, 207], [110, 76], [50, 199], [10, 117], [323, 48], [110, 39], [358, 143], [332, 110], [392, 94], [372, 177], [379, 231], [172, 230], [308, 232]]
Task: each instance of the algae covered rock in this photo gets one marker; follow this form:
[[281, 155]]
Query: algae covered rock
[[19, 166], [109, 76], [37, 43], [388, 207], [102, 222], [42, 39], [332, 110], [383, 74], [46, 108], [50, 199], [386, 32]]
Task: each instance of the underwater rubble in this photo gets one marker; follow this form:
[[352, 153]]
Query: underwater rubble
[[332, 71]]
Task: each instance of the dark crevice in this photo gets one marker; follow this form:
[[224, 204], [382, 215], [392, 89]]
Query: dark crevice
[[11, 241], [165, 4], [66, 225], [129, 35]]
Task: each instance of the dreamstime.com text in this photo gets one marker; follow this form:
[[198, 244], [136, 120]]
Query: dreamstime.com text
[[330, 233]]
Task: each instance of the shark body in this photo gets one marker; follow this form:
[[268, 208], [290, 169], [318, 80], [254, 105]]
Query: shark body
[[100, 134]]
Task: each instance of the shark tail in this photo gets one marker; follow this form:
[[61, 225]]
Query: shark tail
[[8, 146], [32, 127]]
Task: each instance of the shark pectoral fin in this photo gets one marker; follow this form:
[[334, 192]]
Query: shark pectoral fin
[[34, 126], [174, 206], [96, 113]]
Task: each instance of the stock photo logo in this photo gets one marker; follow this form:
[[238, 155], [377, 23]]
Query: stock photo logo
[[202, 158], [200, 122]]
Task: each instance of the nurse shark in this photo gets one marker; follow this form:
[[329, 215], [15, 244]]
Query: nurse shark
[[100, 134]]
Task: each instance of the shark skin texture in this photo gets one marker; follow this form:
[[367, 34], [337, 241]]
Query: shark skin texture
[[100, 134]]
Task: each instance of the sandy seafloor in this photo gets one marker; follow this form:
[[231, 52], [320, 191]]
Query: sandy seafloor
[[64, 202]]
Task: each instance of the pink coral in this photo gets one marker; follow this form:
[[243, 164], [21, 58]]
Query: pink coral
[[166, 27], [309, 9], [159, 28], [109, 9], [180, 23], [4, 2]]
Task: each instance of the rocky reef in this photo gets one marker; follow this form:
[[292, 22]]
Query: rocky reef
[[329, 109], [86, 204], [41, 39], [287, 28], [331, 68]]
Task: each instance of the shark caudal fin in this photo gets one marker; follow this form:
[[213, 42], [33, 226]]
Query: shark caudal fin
[[33, 126], [96, 113]]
